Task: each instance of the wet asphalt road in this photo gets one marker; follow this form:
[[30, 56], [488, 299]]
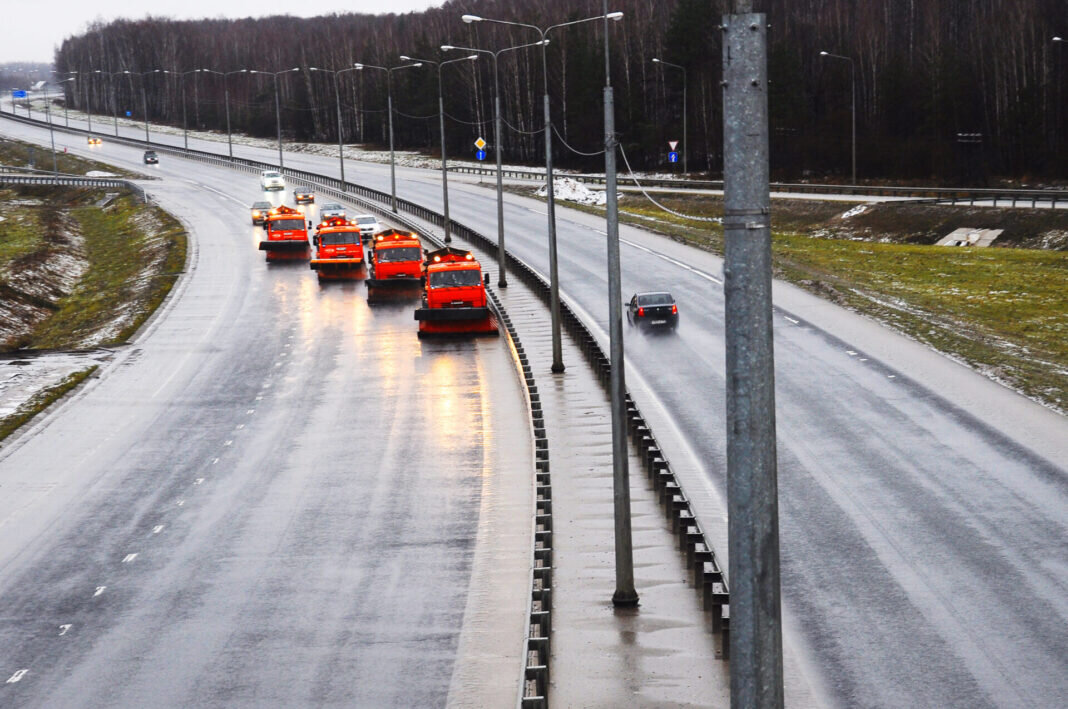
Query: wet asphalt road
[[271, 499], [924, 550]]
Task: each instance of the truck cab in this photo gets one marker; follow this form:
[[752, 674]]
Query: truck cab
[[396, 263], [286, 235], [338, 250], [454, 295]]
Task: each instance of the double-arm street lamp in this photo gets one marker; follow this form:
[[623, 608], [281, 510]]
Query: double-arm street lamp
[[114, 98], [502, 281], [337, 96], [226, 93], [389, 109], [853, 92], [441, 128], [277, 107], [554, 282], [685, 145]]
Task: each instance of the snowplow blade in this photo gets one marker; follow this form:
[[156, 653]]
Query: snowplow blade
[[456, 321], [288, 245], [341, 264]]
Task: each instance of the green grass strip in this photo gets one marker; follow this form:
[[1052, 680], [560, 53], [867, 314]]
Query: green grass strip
[[41, 401]]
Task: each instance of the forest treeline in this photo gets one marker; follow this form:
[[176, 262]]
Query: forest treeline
[[925, 71]]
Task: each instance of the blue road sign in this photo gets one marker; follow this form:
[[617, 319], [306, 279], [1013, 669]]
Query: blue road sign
[[18, 93], [480, 154], [673, 156], [128, 114]]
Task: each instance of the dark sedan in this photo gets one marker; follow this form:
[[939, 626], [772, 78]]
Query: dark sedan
[[259, 211], [653, 310], [303, 196]]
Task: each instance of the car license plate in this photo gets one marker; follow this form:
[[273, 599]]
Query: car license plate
[[659, 322]]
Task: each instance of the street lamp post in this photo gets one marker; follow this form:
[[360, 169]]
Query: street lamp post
[[441, 129], [502, 281], [853, 92], [226, 101], [114, 100], [389, 107], [277, 107], [144, 97], [185, 124], [337, 97], [554, 280], [685, 145]]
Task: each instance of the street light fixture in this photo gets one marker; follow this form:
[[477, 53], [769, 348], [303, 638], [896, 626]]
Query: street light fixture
[[685, 145], [441, 128], [554, 280], [337, 97], [502, 281], [389, 104], [277, 108], [853, 92]]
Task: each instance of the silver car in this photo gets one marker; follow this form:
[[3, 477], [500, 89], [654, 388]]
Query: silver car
[[328, 210]]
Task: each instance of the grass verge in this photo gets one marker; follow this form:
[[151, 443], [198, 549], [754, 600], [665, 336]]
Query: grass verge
[[15, 153], [41, 401]]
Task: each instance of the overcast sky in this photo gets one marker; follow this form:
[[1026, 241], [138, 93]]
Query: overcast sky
[[34, 28]]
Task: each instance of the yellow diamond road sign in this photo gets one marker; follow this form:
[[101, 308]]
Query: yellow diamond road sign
[[480, 143]]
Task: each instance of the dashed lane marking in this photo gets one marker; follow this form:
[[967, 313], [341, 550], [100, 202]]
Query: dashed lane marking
[[239, 427], [215, 461], [157, 529], [248, 413], [181, 503], [99, 590], [128, 558], [229, 443], [795, 322], [680, 264], [16, 677], [64, 628], [198, 481]]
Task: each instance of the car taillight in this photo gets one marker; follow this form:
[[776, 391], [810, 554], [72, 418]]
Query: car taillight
[[641, 312], [674, 309]]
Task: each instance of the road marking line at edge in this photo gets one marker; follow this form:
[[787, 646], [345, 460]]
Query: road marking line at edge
[[64, 628], [99, 590], [157, 529], [129, 557], [795, 322]]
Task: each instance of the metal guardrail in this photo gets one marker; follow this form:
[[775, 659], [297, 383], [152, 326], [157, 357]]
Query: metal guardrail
[[75, 181]]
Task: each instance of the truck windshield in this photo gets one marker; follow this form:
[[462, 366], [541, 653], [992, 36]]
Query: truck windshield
[[287, 224], [453, 279], [407, 253], [339, 237]]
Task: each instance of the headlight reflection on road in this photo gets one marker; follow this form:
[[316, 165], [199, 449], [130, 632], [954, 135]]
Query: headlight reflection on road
[[453, 400]]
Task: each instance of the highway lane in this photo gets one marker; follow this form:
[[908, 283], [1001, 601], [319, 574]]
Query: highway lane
[[906, 517], [922, 507], [273, 498]]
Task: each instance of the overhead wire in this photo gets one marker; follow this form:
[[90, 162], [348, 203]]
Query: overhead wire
[[717, 220]]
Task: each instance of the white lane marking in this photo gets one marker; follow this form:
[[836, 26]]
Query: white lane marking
[[851, 353], [181, 503], [198, 481], [676, 262], [157, 529], [278, 364], [218, 192], [863, 359], [215, 461], [239, 427], [259, 398], [16, 677], [128, 558], [99, 590], [795, 322], [63, 629], [891, 376], [248, 413], [228, 443]]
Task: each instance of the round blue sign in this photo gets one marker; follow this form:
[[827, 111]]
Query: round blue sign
[[480, 154], [673, 156]]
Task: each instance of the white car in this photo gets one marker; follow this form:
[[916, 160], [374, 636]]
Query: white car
[[369, 226], [272, 180], [328, 210]]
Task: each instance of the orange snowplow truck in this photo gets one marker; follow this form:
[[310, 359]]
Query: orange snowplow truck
[[338, 250], [454, 296], [287, 235], [396, 260]]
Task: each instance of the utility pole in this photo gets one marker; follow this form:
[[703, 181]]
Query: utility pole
[[752, 486]]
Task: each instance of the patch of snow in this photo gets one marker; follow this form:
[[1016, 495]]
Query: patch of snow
[[859, 209], [100, 173], [570, 190]]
